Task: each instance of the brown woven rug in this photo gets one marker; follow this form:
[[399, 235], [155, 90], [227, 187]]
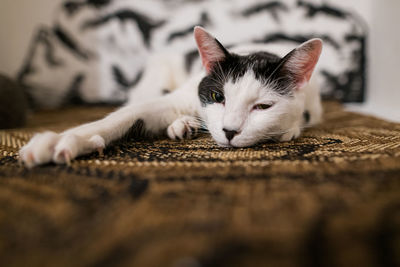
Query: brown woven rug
[[330, 198]]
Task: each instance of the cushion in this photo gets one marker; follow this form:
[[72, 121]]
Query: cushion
[[331, 197]]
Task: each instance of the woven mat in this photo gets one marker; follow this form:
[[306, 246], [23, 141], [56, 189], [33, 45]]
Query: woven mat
[[330, 198]]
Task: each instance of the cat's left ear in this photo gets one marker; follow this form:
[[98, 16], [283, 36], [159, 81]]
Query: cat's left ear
[[299, 64], [210, 49]]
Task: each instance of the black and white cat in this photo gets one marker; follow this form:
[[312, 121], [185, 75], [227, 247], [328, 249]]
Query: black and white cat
[[243, 96]]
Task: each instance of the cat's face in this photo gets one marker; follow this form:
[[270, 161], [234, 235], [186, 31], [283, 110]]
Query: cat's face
[[245, 110], [248, 99]]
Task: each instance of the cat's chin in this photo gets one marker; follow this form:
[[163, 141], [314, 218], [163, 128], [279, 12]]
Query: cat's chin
[[226, 145], [234, 144]]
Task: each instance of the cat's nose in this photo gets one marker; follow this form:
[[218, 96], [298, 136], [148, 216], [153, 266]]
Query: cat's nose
[[229, 134]]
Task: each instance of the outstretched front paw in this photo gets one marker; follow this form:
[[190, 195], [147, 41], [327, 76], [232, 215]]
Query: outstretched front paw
[[39, 150], [184, 127], [58, 148]]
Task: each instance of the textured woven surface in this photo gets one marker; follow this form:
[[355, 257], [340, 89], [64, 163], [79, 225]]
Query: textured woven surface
[[330, 198]]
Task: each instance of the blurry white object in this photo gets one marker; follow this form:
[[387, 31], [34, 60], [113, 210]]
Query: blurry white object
[[110, 48], [383, 95]]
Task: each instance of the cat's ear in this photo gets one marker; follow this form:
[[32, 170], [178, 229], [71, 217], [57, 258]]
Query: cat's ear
[[299, 64], [210, 49]]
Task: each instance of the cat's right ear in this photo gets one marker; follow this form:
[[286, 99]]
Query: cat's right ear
[[210, 49]]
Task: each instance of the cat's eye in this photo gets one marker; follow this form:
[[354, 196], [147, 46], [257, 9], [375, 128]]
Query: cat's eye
[[262, 106], [217, 97]]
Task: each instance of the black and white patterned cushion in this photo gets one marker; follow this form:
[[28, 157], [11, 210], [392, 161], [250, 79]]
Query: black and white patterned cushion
[[96, 49]]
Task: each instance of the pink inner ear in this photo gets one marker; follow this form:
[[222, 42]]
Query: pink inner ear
[[209, 49], [304, 60]]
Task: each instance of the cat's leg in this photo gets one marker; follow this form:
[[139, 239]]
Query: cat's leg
[[39, 149], [187, 126], [184, 127], [163, 73], [63, 147], [156, 115], [313, 108], [292, 126], [311, 113]]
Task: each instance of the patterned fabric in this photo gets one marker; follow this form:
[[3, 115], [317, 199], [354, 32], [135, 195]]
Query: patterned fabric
[[95, 50], [330, 198]]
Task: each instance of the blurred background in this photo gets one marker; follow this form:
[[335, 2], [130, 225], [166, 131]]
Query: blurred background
[[22, 21]]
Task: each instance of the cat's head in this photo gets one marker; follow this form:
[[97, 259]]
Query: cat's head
[[248, 99]]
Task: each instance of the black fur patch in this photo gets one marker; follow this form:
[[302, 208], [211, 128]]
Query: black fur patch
[[265, 66], [348, 86], [137, 131]]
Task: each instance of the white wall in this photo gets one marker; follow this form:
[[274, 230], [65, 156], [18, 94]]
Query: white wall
[[385, 48], [18, 21], [383, 95]]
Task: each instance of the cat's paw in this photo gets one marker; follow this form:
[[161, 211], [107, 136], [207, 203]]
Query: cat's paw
[[70, 146], [184, 127], [291, 134], [61, 149], [39, 150]]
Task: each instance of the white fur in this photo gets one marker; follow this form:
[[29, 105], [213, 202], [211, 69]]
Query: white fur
[[282, 120], [179, 111]]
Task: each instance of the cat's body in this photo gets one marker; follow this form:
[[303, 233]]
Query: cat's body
[[242, 98]]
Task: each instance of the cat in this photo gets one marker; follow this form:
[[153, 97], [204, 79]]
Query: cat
[[243, 96]]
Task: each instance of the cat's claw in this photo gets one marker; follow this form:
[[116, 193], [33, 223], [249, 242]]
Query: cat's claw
[[184, 127], [58, 148], [98, 143], [63, 156], [67, 149]]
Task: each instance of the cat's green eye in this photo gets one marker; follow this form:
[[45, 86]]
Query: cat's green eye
[[262, 106], [217, 97]]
